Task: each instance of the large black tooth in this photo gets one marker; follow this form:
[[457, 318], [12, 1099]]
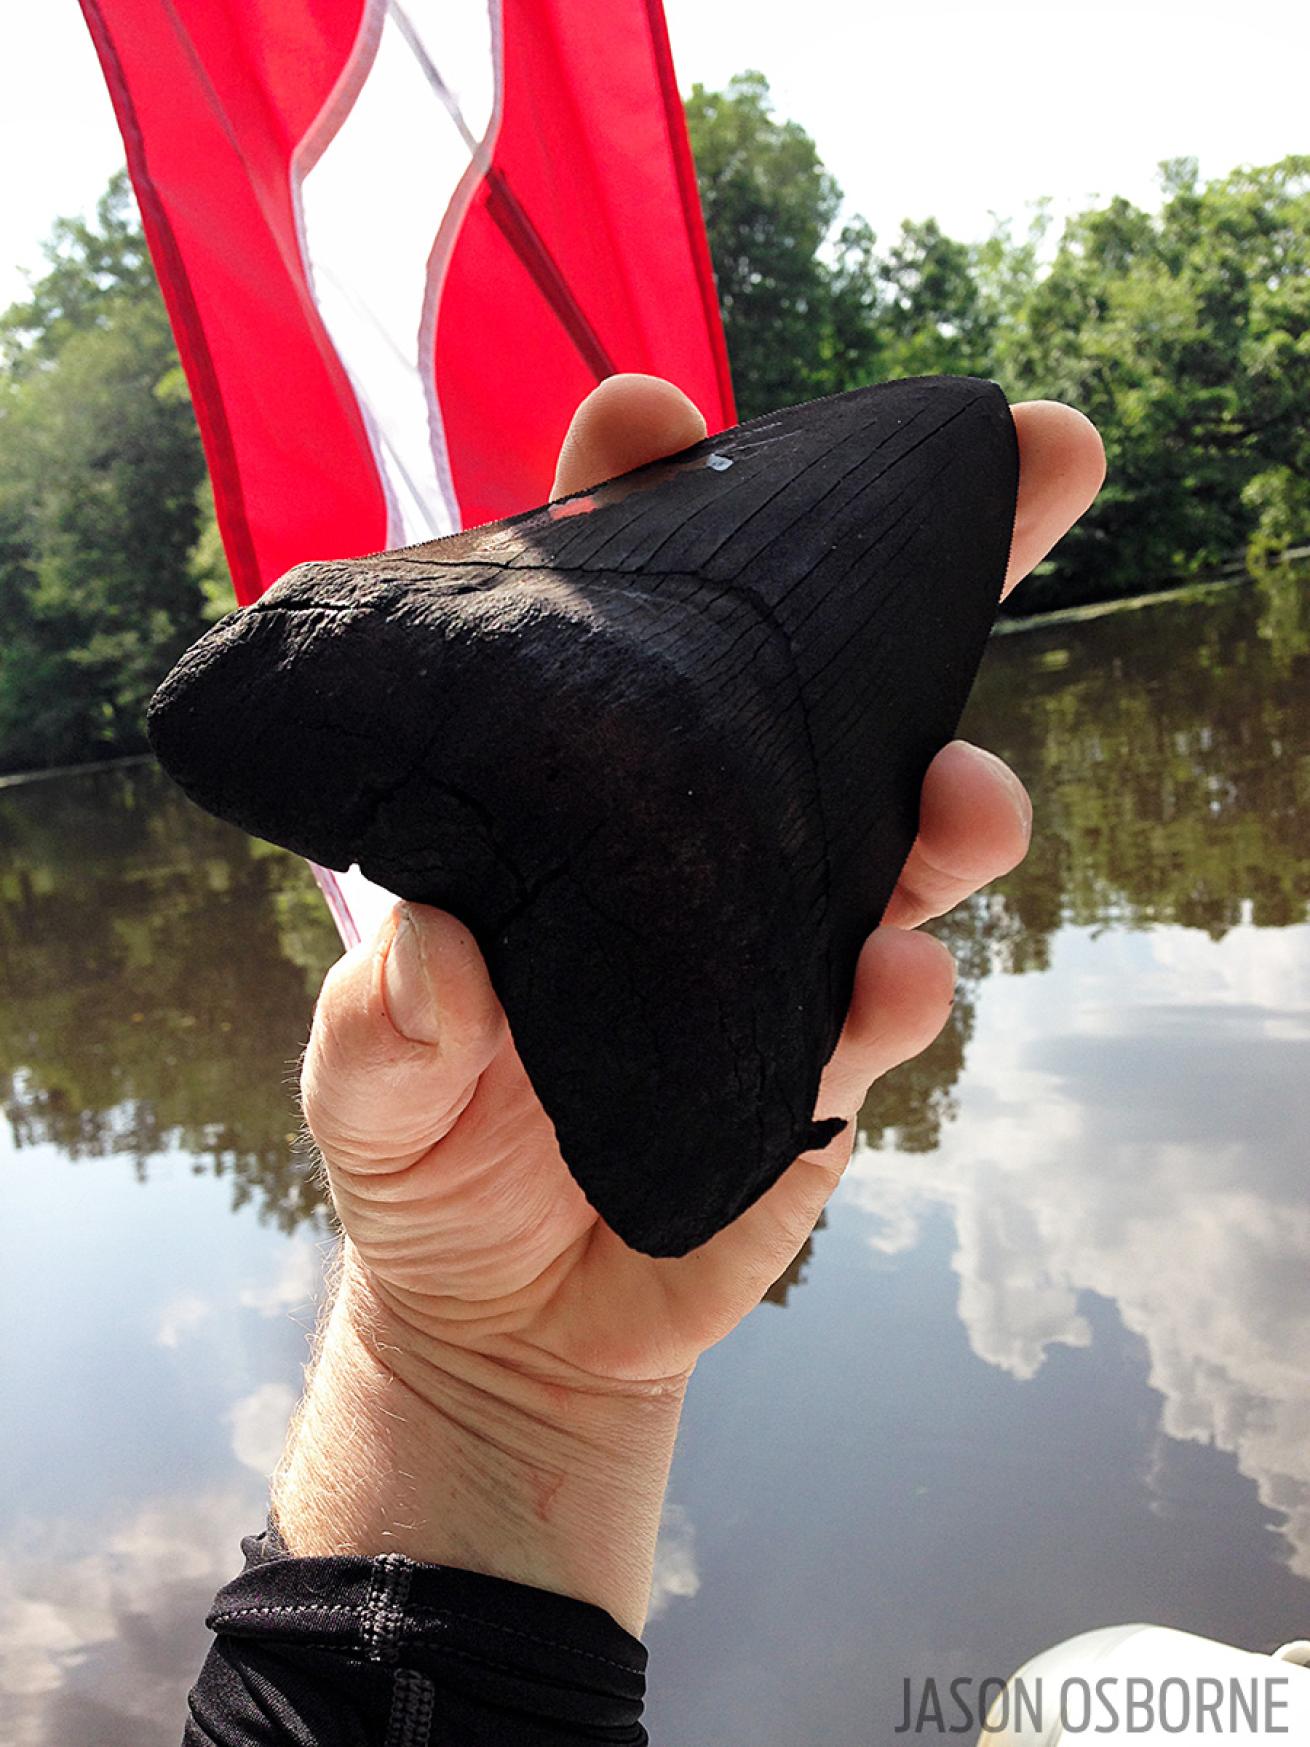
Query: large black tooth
[[660, 746]]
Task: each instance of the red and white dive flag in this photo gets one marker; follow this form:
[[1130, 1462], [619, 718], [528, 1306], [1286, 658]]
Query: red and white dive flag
[[399, 240]]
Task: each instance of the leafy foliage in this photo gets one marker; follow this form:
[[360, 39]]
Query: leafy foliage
[[100, 466], [92, 270], [1185, 334], [796, 325], [809, 309]]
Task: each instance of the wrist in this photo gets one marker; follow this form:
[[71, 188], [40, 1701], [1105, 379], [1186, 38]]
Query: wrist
[[406, 1442]]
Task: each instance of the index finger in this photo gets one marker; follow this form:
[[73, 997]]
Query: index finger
[[1061, 469]]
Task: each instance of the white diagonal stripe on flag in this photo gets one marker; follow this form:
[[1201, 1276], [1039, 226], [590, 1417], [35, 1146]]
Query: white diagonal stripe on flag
[[380, 183]]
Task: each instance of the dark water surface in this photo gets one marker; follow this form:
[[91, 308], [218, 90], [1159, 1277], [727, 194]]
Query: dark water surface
[[1044, 1368]]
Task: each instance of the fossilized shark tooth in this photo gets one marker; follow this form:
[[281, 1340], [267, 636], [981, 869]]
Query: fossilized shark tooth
[[659, 746]]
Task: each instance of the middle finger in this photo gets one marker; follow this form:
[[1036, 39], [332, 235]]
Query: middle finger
[[975, 821]]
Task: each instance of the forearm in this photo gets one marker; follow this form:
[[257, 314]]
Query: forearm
[[408, 1444]]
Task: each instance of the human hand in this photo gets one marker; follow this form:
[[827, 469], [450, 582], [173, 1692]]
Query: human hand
[[477, 1279]]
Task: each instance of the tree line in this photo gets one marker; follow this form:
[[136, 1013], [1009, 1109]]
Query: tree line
[[1183, 331]]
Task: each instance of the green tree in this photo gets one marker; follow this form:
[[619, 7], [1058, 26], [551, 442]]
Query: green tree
[[812, 307], [1186, 335], [796, 324], [931, 312], [92, 267], [100, 466]]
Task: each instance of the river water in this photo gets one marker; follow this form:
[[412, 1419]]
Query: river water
[[1043, 1368]]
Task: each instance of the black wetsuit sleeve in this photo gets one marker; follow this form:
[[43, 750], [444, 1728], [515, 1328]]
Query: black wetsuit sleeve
[[353, 1652]]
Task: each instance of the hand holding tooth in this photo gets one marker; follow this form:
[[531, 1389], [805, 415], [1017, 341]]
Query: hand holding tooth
[[500, 1381], [659, 747]]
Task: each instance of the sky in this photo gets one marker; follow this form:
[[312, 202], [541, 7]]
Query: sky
[[953, 110]]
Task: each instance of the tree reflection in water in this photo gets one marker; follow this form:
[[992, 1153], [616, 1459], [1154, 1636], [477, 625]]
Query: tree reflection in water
[[160, 968], [1168, 755]]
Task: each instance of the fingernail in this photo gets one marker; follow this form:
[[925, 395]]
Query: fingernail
[[407, 991], [1014, 788]]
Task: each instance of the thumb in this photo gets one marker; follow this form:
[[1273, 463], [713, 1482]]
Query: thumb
[[403, 1029], [623, 423]]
